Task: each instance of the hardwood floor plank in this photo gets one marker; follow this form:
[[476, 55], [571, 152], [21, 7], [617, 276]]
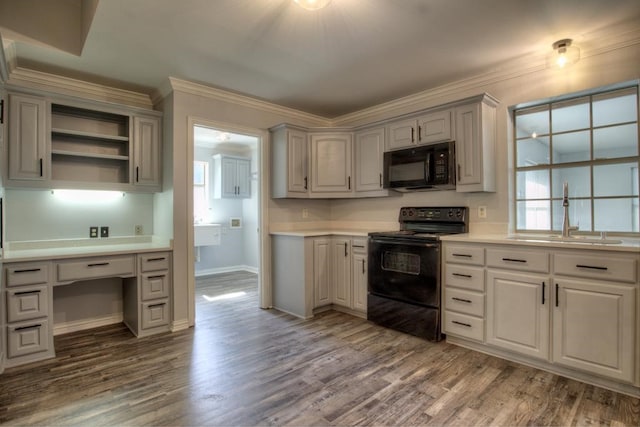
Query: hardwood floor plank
[[242, 365]]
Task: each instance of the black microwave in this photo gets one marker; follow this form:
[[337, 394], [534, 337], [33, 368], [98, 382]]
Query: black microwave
[[427, 167]]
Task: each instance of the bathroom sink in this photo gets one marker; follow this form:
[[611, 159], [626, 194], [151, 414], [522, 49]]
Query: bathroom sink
[[206, 234], [557, 238]]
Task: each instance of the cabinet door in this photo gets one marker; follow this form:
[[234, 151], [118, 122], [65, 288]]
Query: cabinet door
[[228, 177], [468, 145], [27, 138], [321, 272], [243, 178], [369, 149], [435, 127], [518, 312], [341, 271], [297, 162], [401, 134], [359, 285], [594, 327], [331, 163], [146, 143]]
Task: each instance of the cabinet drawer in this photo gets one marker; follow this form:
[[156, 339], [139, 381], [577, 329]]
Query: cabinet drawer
[[605, 266], [462, 276], [155, 314], [154, 261], [27, 303], [27, 338], [518, 260], [93, 268], [155, 285], [359, 244], [465, 302], [473, 255], [27, 274], [463, 325]]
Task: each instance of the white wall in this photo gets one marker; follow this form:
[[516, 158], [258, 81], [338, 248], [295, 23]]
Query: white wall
[[41, 215]]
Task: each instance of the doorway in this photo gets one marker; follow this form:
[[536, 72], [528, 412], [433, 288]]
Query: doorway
[[226, 212]]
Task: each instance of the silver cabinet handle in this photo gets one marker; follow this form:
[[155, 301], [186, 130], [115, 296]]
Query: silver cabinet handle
[[468, 301]]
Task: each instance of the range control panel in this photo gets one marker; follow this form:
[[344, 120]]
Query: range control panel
[[428, 214]]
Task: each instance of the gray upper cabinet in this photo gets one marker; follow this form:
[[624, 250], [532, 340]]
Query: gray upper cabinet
[[231, 177], [349, 162], [289, 163], [331, 163], [147, 151], [475, 146], [369, 160], [62, 143], [425, 129], [27, 138]]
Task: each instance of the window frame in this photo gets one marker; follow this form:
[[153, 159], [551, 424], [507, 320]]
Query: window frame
[[547, 106]]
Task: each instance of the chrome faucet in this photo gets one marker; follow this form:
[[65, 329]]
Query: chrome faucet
[[566, 228]]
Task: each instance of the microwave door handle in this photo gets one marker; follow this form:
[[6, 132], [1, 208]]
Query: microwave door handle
[[427, 168]]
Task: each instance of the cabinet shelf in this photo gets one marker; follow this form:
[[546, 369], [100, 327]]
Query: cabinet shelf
[[90, 135], [89, 155]]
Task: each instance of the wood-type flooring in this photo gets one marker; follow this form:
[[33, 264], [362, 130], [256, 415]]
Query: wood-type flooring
[[242, 366]]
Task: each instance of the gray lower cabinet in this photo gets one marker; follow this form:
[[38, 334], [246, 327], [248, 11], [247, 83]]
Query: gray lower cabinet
[[318, 272], [28, 302], [573, 312], [27, 298], [146, 299]]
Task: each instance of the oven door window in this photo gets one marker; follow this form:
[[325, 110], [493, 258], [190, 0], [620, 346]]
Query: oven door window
[[401, 262]]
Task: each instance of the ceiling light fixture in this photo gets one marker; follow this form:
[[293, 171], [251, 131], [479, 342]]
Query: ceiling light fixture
[[312, 4], [564, 53]]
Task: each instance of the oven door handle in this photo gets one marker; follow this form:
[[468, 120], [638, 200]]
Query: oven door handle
[[404, 242]]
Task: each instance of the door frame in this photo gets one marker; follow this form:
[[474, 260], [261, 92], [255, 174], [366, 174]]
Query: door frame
[[264, 263]]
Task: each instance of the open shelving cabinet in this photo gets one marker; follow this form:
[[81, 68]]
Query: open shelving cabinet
[[89, 146]]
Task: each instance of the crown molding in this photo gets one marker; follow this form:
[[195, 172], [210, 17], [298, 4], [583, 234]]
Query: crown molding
[[515, 69], [178, 85], [7, 58], [31, 79]]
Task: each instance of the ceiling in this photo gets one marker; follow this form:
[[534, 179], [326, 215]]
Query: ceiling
[[351, 55]]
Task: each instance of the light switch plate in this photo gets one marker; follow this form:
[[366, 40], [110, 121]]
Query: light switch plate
[[104, 231]]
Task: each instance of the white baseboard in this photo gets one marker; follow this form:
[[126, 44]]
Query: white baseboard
[[81, 325], [231, 269], [180, 325]]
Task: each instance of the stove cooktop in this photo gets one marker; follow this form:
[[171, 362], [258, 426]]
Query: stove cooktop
[[428, 223]]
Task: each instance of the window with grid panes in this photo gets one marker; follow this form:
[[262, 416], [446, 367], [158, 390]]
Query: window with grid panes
[[589, 141]]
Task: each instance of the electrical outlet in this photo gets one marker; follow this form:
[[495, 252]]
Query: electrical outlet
[[482, 211], [139, 231], [305, 213], [104, 231], [93, 232]]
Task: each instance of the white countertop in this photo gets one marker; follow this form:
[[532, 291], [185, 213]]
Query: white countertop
[[627, 245], [324, 232], [75, 248]]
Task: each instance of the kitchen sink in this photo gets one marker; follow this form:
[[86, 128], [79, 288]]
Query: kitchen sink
[[557, 238]]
